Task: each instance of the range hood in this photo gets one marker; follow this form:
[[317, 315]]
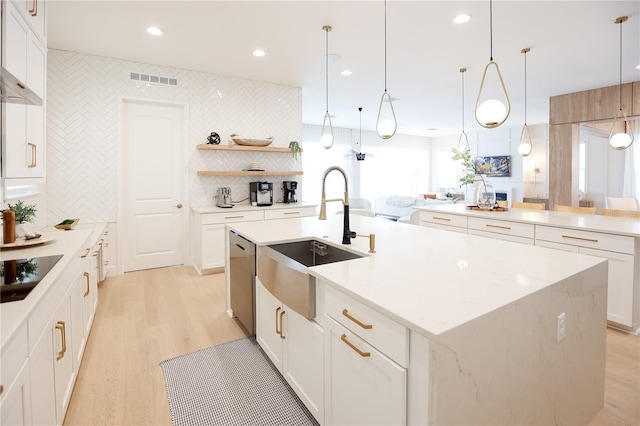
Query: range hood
[[14, 91]]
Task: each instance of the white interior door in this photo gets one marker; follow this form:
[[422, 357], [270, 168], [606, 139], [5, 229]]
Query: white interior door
[[153, 174]]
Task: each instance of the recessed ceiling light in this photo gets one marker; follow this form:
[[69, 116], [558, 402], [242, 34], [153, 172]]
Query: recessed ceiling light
[[259, 53], [346, 72], [332, 57], [155, 31], [462, 18], [638, 67]]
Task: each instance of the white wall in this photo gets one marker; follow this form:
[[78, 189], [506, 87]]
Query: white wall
[[82, 125]]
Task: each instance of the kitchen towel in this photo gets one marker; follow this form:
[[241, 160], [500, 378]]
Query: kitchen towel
[[230, 384]]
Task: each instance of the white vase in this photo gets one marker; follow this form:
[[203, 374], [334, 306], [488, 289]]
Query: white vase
[[22, 229]]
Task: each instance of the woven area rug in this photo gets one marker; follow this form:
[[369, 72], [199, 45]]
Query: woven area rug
[[230, 384]]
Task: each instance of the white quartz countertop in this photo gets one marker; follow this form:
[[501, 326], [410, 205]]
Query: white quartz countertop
[[607, 224], [249, 207], [429, 280], [66, 243]]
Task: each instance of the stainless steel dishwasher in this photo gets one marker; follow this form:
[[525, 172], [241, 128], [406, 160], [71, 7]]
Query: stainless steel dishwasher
[[242, 276]]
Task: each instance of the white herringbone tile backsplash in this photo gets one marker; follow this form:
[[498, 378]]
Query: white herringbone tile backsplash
[[82, 154]]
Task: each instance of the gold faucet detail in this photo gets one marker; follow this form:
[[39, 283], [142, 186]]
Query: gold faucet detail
[[346, 233]]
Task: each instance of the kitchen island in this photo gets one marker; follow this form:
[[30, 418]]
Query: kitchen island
[[474, 326], [614, 238]]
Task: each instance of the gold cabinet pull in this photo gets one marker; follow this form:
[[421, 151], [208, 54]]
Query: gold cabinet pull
[[580, 238], [95, 253], [497, 226], [441, 218], [291, 212], [34, 150], [234, 217], [365, 326], [61, 326], [281, 315], [352, 346], [105, 233], [34, 10], [86, 276], [86, 253], [106, 262], [278, 331], [1, 389]]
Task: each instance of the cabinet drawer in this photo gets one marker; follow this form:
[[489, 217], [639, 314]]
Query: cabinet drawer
[[443, 227], [444, 219], [518, 229], [13, 356], [383, 333], [237, 216], [289, 213], [595, 240]]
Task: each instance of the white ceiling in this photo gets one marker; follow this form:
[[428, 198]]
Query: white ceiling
[[574, 46]]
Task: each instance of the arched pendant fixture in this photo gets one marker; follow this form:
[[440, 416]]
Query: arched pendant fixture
[[524, 148], [326, 140], [621, 140], [492, 113], [386, 124], [463, 141]]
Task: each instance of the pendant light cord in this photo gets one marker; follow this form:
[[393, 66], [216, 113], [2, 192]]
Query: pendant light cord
[[491, 29], [620, 96], [525, 88], [327, 69], [360, 109], [385, 45], [462, 72]]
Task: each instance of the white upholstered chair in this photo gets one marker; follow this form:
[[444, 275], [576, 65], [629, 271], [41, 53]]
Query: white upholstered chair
[[359, 203], [622, 203]]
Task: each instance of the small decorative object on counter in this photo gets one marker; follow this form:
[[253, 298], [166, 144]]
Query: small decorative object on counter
[[213, 138], [8, 226], [295, 148], [67, 224]]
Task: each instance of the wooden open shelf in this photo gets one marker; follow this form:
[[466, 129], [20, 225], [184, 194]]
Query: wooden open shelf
[[248, 173], [211, 147]]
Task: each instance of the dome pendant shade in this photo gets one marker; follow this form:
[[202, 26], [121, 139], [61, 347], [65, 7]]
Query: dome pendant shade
[[621, 140], [492, 113], [326, 140], [525, 146], [386, 124]]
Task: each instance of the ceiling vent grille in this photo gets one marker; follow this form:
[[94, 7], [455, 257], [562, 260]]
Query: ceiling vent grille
[[153, 79]]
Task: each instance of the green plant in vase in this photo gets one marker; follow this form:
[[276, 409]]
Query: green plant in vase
[[294, 146], [25, 213], [464, 156]]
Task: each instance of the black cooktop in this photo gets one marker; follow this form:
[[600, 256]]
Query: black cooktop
[[20, 276]]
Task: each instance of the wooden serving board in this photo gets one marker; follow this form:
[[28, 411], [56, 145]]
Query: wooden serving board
[[495, 209]]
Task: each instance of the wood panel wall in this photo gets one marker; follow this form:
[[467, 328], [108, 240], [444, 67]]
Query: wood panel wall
[[566, 113]]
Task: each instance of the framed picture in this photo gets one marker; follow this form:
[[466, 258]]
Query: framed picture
[[499, 166]]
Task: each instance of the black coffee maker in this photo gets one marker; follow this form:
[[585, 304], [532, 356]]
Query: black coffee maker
[[289, 188]]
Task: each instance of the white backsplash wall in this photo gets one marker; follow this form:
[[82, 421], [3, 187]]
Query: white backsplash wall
[[82, 126]]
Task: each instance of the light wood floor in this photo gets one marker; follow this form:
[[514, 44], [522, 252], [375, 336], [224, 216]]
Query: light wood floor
[[146, 317]]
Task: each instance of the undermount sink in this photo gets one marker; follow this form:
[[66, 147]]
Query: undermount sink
[[313, 252], [282, 269]]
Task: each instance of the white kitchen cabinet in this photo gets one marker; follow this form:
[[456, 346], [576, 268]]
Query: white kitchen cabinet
[[209, 237], [15, 406], [516, 232], [364, 386], [295, 346], [34, 13], [24, 56], [619, 250], [444, 221]]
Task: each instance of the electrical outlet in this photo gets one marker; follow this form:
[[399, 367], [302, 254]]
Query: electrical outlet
[[562, 327]]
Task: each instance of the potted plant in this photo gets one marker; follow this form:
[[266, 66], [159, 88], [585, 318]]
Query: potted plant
[[25, 214], [295, 149], [484, 198]]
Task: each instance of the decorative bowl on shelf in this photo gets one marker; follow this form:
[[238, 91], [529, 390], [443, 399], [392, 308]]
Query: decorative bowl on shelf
[[67, 224], [251, 142]]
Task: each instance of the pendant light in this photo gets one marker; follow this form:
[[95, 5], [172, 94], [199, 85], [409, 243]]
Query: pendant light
[[326, 140], [492, 112], [360, 155], [621, 140], [525, 146], [386, 125], [463, 141]]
